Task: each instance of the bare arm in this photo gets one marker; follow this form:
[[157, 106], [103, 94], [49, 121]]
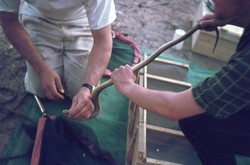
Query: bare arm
[[99, 55], [172, 105], [21, 41], [19, 38], [82, 106]]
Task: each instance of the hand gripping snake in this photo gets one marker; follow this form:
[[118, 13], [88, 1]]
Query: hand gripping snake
[[135, 68]]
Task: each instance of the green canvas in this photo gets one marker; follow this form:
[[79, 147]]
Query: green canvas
[[108, 129]]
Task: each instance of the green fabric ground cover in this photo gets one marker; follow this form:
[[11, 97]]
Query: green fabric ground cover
[[120, 58], [108, 129]]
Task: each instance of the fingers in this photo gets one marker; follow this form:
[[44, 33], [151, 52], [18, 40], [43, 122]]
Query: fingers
[[128, 66], [52, 93], [123, 73], [208, 22], [207, 25], [59, 86], [83, 115], [123, 68], [81, 109], [207, 17], [51, 85]]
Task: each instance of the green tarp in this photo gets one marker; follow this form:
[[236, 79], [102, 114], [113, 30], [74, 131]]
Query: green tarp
[[108, 129]]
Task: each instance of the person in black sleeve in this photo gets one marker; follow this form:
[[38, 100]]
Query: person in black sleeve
[[214, 115]]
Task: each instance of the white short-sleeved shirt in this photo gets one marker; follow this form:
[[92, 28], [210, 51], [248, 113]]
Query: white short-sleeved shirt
[[100, 13]]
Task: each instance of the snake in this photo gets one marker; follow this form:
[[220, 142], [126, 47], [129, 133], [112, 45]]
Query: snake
[[137, 67]]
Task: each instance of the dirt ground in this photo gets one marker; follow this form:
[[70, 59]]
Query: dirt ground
[[150, 23]]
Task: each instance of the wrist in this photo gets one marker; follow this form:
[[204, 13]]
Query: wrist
[[41, 69], [88, 86], [127, 88]]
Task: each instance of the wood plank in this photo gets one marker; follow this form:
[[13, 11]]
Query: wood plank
[[179, 64], [131, 145], [137, 117], [169, 80], [165, 130], [162, 69], [139, 155], [151, 161]]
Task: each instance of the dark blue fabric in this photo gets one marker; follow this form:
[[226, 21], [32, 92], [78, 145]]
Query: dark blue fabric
[[217, 141]]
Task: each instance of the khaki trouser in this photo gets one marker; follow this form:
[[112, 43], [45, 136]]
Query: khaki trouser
[[64, 48]]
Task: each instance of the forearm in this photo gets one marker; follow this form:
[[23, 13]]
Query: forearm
[[98, 61], [99, 56], [21, 41], [154, 101], [173, 105]]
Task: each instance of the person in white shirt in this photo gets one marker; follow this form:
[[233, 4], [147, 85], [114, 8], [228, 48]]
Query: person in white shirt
[[67, 46]]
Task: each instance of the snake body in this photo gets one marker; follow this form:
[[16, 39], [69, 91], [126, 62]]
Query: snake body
[[135, 68]]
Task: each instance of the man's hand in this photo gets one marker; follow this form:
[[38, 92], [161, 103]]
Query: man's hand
[[122, 77], [210, 22], [49, 80], [82, 106], [51, 85]]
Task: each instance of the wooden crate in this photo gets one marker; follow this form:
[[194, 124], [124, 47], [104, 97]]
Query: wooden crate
[[203, 42], [153, 139], [168, 69]]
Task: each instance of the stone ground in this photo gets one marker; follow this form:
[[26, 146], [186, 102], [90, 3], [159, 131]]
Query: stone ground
[[149, 23]]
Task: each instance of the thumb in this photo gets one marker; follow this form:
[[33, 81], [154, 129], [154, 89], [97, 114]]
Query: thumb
[[59, 85], [205, 25], [207, 17]]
